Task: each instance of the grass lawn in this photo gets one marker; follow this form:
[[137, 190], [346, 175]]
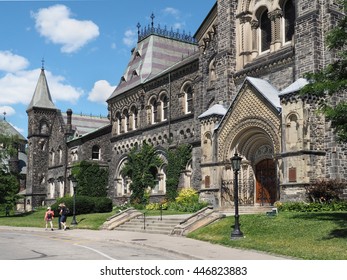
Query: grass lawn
[[85, 221], [312, 236]]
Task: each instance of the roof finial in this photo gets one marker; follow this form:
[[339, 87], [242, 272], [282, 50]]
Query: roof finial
[[42, 64], [152, 17], [138, 28]]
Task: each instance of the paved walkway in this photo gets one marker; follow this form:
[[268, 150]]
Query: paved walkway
[[189, 248]]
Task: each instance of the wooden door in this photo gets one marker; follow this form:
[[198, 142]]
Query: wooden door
[[266, 182]]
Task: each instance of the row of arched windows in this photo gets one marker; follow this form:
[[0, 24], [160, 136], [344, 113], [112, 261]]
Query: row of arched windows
[[157, 110]]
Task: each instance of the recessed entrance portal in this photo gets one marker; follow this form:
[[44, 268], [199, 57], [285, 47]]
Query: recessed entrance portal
[[266, 187]]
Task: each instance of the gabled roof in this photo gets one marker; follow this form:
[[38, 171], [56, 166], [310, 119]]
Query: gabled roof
[[152, 55], [267, 90], [216, 109], [42, 96], [264, 88], [7, 129], [295, 87], [83, 124]]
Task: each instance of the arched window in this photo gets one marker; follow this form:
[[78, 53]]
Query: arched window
[[188, 96], [164, 107], [126, 120], [134, 116], [119, 123], [265, 31], [289, 20], [96, 152], [154, 110]]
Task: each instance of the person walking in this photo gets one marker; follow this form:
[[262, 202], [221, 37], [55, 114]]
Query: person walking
[[59, 216], [49, 216], [63, 213]]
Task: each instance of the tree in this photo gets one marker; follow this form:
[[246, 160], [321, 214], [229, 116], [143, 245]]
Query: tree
[[91, 179], [141, 168], [332, 80], [9, 185]]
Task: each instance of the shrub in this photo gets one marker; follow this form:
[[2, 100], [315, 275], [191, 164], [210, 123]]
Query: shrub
[[85, 205], [187, 201], [313, 206], [325, 190]]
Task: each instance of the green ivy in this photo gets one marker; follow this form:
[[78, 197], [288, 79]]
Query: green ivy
[[141, 168], [91, 179], [177, 161]]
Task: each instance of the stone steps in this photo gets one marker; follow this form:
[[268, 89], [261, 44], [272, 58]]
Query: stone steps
[[152, 224]]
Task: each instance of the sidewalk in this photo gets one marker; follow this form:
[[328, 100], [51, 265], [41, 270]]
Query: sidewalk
[[186, 247]]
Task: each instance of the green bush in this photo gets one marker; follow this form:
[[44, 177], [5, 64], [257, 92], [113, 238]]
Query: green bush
[[84, 205], [187, 201], [313, 206]]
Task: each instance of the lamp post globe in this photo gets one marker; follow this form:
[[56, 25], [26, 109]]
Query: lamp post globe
[[236, 164]]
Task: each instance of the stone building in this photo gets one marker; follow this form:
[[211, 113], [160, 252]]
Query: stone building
[[231, 88]]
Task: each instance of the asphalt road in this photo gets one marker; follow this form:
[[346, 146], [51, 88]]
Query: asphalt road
[[57, 245]]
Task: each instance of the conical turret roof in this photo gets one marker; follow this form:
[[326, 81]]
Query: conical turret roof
[[42, 97]]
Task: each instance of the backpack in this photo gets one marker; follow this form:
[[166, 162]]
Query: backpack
[[49, 215]]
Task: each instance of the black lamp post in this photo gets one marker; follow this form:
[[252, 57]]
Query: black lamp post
[[74, 184], [236, 163]]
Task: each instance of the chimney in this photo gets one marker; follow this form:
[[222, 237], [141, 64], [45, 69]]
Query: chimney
[[69, 121]]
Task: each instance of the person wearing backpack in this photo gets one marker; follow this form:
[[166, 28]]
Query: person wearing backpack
[[49, 216]]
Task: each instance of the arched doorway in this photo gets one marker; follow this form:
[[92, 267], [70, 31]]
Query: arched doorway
[[266, 182]]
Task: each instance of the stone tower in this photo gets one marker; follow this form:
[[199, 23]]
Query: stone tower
[[41, 116]]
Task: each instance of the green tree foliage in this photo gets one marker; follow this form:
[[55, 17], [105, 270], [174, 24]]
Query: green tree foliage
[[177, 161], [9, 185], [332, 80], [141, 168], [92, 180]]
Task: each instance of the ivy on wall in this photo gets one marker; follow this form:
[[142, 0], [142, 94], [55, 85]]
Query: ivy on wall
[[142, 168], [177, 161], [91, 179]]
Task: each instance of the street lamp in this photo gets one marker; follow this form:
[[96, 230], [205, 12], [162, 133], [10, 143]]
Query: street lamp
[[74, 184], [236, 163]]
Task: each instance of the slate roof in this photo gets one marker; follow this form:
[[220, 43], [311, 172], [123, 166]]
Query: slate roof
[[295, 87], [7, 129], [152, 55], [42, 96], [216, 109], [83, 124], [267, 90]]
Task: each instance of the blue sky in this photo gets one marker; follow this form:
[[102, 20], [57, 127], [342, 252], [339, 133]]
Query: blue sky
[[85, 46]]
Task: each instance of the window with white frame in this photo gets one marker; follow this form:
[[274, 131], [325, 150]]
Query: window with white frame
[[164, 107], [188, 97]]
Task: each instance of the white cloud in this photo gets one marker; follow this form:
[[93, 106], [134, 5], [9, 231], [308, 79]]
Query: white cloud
[[130, 38], [8, 110], [55, 24], [172, 11], [101, 91], [19, 87], [10, 62]]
